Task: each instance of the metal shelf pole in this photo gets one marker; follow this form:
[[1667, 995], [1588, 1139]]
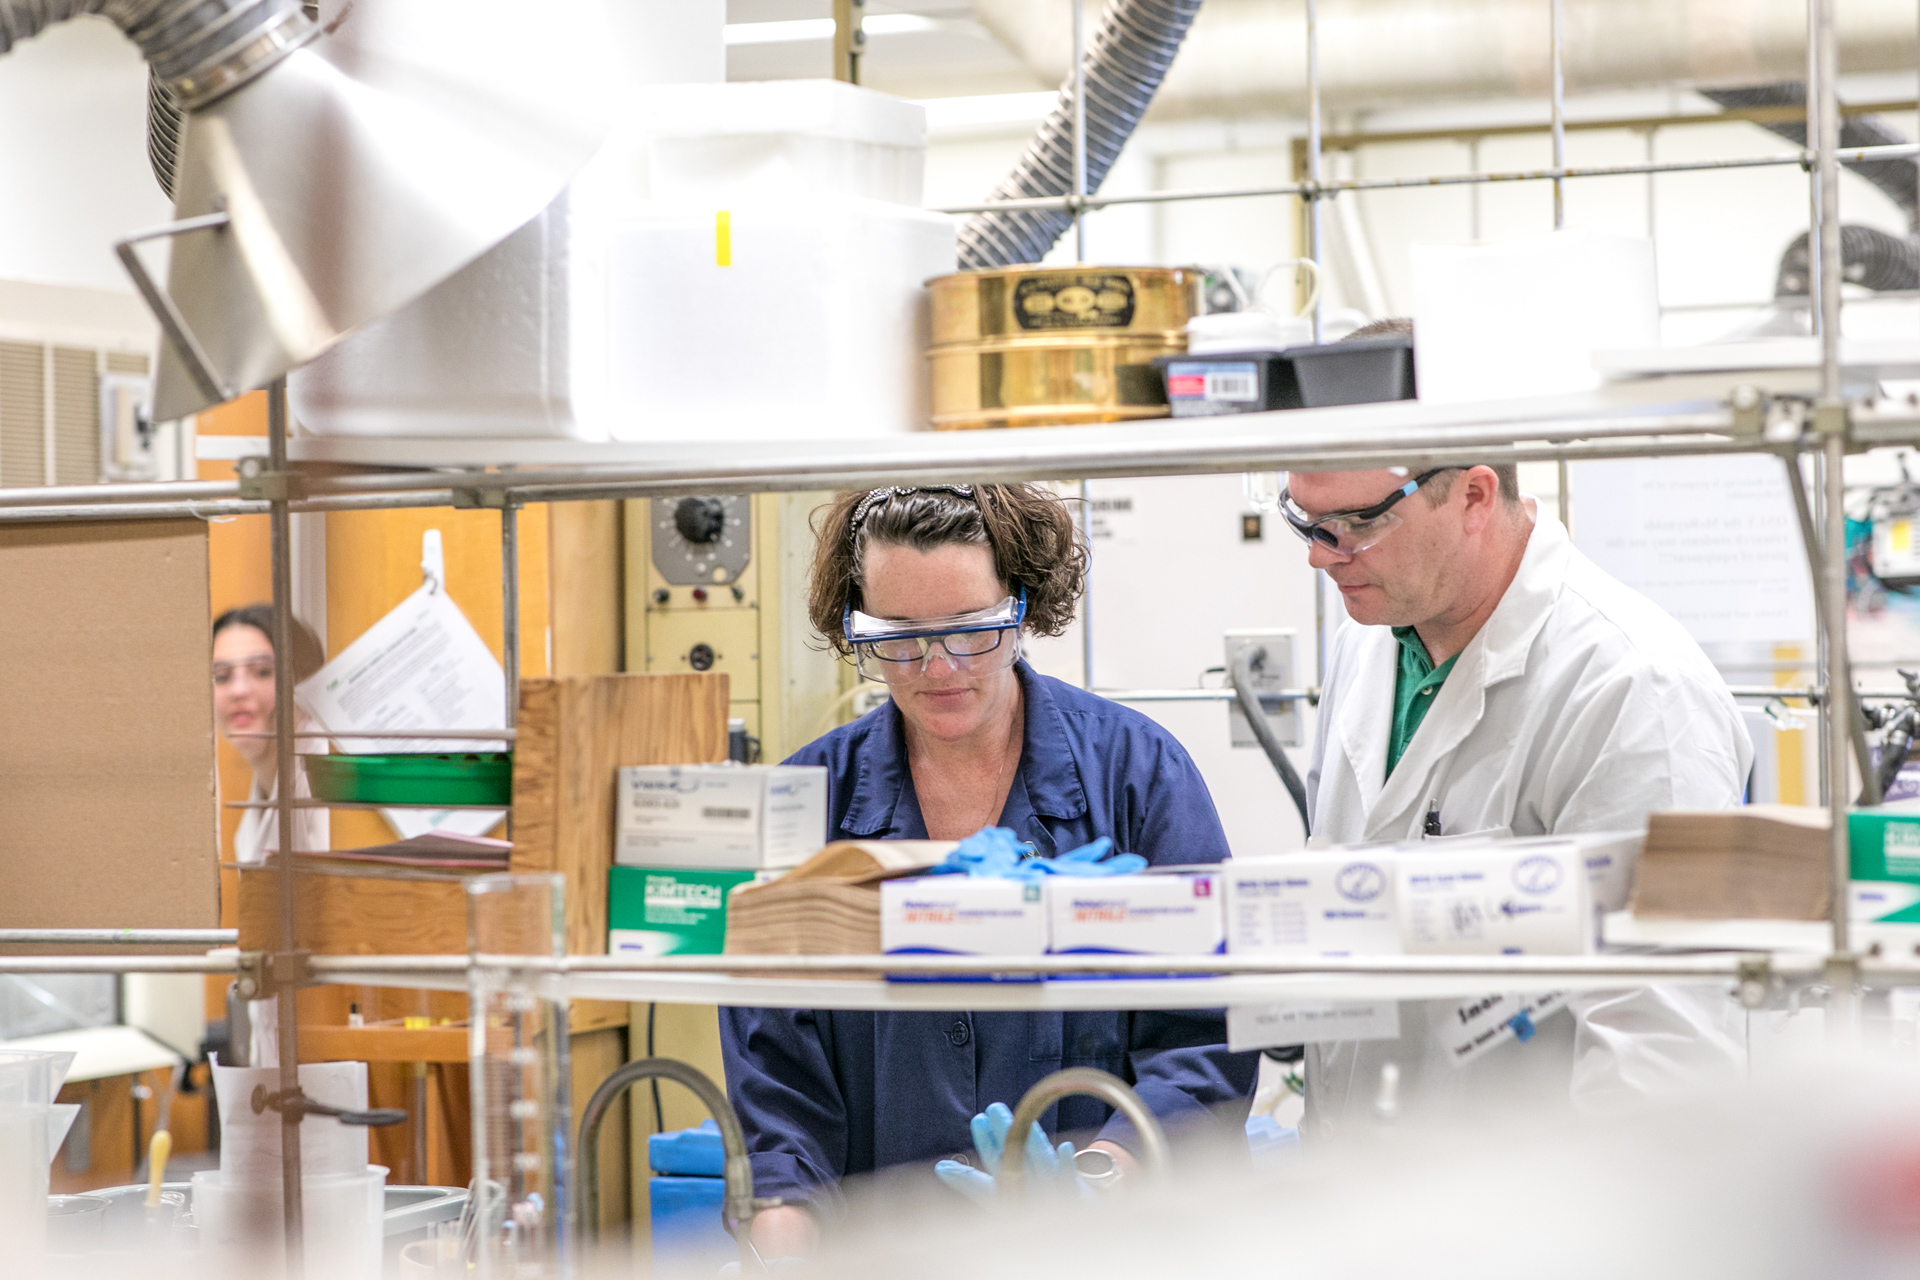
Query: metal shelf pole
[[280, 522], [510, 604], [1312, 190], [1830, 422], [1079, 130], [1559, 117]]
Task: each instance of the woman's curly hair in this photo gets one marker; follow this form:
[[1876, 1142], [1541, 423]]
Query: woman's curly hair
[[1031, 532]]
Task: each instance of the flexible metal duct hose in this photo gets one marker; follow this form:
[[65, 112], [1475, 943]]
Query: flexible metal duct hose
[[1869, 257], [1894, 177], [1126, 61], [163, 132], [200, 50]]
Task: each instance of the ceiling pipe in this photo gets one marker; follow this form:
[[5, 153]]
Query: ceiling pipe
[[1245, 57]]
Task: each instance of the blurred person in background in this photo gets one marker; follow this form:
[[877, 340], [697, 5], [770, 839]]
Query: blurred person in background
[[243, 709]]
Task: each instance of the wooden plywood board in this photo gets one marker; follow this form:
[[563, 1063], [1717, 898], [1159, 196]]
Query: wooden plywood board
[[108, 804], [356, 915], [574, 734]]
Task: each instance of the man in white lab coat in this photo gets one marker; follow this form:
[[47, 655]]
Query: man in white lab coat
[[1493, 680]]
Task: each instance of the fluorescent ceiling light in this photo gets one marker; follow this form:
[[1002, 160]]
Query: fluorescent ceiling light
[[989, 108], [798, 30]]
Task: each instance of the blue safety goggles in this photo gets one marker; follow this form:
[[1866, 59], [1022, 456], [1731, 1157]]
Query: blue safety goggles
[[1348, 533], [897, 649]]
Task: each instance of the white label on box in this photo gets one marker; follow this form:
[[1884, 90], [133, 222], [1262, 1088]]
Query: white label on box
[[1176, 914], [1290, 1022], [1311, 905], [1493, 901], [963, 915], [721, 816], [1489, 1021], [1877, 899]]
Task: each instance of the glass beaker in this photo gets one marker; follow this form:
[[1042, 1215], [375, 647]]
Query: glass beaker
[[522, 1109]]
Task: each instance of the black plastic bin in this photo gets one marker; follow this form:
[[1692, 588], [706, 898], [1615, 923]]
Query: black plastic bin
[[1361, 371]]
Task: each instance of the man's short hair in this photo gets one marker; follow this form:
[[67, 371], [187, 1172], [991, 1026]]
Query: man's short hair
[[1440, 488]]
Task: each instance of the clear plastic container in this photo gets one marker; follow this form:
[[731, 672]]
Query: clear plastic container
[[522, 1111], [242, 1229]]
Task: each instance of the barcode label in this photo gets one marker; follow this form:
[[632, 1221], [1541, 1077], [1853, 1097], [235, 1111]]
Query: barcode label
[[1232, 384], [739, 815]]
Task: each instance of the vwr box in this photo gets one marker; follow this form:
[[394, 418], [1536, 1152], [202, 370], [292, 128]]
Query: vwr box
[[1175, 913], [720, 816], [1527, 898], [659, 912], [1312, 904]]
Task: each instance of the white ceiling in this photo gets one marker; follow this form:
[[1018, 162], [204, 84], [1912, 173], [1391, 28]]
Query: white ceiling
[[955, 57]]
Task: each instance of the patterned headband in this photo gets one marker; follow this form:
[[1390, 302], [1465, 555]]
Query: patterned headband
[[878, 497]]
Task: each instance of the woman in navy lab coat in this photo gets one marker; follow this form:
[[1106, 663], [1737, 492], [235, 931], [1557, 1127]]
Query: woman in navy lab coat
[[932, 588]]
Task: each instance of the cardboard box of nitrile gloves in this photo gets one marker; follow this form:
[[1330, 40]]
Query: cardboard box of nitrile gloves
[[1162, 913]]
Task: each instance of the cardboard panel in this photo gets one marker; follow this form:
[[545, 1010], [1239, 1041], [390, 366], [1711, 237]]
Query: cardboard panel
[[107, 808]]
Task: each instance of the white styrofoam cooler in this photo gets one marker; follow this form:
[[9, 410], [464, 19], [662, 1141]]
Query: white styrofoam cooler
[[748, 263]]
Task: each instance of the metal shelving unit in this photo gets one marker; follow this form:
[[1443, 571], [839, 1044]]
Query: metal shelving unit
[[1796, 412]]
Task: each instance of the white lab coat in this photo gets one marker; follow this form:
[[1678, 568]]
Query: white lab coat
[[1579, 706]]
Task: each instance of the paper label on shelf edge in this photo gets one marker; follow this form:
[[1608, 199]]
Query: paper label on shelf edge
[[1290, 1022], [1487, 1022]]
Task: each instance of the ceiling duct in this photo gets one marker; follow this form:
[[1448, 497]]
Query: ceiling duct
[[1247, 57], [327, 173], [1126, 60]]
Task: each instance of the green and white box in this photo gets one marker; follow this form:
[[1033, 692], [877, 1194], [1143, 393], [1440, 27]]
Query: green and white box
[[662, 911], [1884, 849], [727, 817]]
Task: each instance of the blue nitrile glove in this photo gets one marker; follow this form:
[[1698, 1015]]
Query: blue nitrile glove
[[1087, 861], [998, 853], [1049, 1168], [990, 851]]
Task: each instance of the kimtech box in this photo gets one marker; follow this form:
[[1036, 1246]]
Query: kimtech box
[[1884, 852], [720, 816], [1160, 913], [1312, 904], [658, 911]]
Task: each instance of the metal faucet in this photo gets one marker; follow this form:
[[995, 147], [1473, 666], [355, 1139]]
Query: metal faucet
[[739, 1205], [1110, 1089]]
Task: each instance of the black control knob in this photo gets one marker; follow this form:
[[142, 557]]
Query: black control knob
[[700, 520], [701, 657]]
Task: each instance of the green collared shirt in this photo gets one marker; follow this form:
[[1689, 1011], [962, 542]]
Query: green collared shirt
[[1414, 686]]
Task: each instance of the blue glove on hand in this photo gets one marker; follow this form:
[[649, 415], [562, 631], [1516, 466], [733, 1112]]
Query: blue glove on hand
[[996, 852], [1048, 1167]]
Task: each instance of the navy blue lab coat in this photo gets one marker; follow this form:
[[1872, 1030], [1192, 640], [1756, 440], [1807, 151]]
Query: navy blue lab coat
[[824, 1094]]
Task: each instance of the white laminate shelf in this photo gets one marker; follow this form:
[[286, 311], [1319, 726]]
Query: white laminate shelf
[[1076, 982]]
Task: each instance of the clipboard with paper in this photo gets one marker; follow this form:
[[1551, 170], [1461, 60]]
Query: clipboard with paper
[[421, 667]]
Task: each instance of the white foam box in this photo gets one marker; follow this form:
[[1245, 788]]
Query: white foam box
[[1528, 898], [1158, 913], [1312, 904], [963, 915], [727, 817]]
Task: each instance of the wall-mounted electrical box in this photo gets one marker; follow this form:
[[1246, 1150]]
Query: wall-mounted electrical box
[[717, 582], [1272, 673]]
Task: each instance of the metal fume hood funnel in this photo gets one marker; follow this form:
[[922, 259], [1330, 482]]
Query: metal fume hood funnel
[[331, 171]]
